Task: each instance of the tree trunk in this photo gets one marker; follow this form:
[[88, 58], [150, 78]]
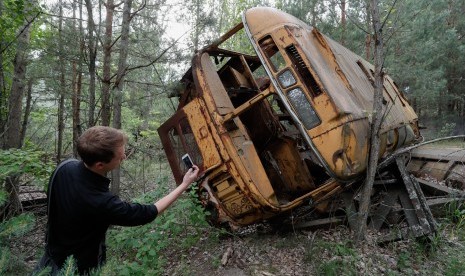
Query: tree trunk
[[314, 13], [118, 88], [92, 59], [62, 90], [13, 124], [106, 82], [27, 112], [343, 22], [3, 96], [77, 82], [368, 35], [375, 125], [462, 115], [197, 25]]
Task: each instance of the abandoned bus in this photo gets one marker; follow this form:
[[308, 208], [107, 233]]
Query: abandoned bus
[[286, 126]]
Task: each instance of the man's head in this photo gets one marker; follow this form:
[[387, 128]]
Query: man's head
[[101, 145]]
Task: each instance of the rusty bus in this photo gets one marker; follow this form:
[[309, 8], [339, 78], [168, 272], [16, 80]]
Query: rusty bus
[[285, 127]]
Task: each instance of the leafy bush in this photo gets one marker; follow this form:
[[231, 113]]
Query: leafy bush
[[26, 162], [29, 165], [140, 250]]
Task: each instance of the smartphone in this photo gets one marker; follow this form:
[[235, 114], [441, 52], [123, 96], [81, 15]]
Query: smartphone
[[187, 161]]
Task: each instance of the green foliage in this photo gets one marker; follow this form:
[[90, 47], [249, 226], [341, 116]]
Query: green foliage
[[343, 260], [12, 18], [403, 260], [455, 266], [3, 197], [69, 268], [10, 230], [216, 262], [44, 272], [5, 257], [336, 267], [239, 43], [27, 162], [425, 55], [456, 215], [447, 129], [425, 60], [140, 250], [16, 227], [41, 126]]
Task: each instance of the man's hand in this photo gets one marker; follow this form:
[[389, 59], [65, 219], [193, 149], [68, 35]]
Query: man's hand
[[190, 176]]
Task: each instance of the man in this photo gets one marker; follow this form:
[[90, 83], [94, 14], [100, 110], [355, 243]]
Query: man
[[81, 207]]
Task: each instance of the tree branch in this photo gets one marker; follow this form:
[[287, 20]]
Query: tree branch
[[393, 155], [158, 57], [29, 22]]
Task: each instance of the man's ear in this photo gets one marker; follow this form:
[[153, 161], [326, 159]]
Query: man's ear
[[99, 165]]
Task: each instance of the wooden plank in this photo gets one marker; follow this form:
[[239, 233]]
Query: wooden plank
[[385, 181], [386, 205], [436, 189], [424, 205], [420, 208], [450, 154], [321, 223], [351, 212], [408, 208]]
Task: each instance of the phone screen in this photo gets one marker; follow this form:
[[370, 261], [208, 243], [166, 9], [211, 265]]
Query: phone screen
[[187, 161]]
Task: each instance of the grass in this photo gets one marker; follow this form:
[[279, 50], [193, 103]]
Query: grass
[[455, 266], [342, 257]]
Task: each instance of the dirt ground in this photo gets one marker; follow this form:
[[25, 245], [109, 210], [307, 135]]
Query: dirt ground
[[321, 252]]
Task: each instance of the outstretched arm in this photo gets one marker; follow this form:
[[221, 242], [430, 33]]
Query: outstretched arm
[[167, 200]]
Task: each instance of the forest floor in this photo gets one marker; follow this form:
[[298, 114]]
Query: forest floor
[[321, 252], [260, 250]]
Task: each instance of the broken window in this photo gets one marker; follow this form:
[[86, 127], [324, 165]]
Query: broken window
[[272, 53], [286, 79], [190, 142], [176, 145], [182, 141], [303, 108]]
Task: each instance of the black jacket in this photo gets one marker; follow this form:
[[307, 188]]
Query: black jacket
[[80, 212]]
